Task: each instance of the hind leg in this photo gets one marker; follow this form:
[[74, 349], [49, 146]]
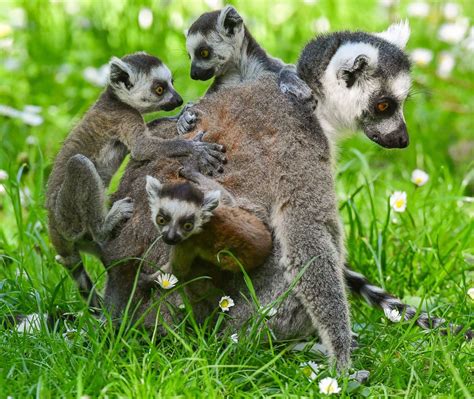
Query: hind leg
[[80, 210]]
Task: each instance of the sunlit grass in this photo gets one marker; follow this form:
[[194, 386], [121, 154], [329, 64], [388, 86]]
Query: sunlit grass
[[424, 255]]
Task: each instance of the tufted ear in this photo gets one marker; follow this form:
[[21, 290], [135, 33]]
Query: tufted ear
[[153, 189], [229, 21], [211, 201], [120, 73], [397, 34], [353, 61]]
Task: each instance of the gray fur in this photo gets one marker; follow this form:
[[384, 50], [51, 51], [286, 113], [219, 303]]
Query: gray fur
[[95, 149]]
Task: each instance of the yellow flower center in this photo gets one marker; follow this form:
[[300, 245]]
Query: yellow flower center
[[331, 388], [399, 203], [225, 303], [307, 371], [165, 283], [419, 180]]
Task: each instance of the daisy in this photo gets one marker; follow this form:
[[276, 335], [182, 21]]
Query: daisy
[[310, 370], [97, 76], [419, 177], [451, 11], [328, 386], [454, 32], [3, 175], [421, 56], [393, 315], [226, 303], [167, 280], [145, 18], [398, 201], [234, 338], [446, 64], [418, 9], [470, 292]]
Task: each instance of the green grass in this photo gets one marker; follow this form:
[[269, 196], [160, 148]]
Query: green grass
[[425, 256]]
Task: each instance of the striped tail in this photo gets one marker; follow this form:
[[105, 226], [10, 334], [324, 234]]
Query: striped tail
[[393, 307]]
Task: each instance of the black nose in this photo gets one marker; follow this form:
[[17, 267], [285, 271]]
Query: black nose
[[198, 73], [171, 240], [396, 139]]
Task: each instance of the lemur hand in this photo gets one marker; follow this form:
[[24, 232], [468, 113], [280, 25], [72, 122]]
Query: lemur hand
[[291, 84], [207, 158], [187, 119]]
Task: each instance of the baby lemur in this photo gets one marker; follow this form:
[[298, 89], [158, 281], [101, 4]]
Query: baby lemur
[[138, 84], [180, 211]]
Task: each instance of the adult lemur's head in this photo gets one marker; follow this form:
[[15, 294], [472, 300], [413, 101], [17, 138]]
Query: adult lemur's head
[[213, 42], [361, 81]]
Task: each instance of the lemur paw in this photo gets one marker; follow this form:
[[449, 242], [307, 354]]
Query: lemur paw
[[207, 158], [187, 119], [190, 174], [123, 208], [290, 84], [361, 376]]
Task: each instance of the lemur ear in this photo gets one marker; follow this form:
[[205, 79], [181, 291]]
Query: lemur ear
[[353, 61], [397, 34], [153, 188], [229, 20], [211, 201], [120, 72]]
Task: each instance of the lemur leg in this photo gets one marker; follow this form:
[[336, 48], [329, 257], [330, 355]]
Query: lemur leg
[[306, 241], [80, 210]]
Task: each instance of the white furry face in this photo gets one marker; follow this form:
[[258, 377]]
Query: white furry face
[[356, 93], [146, 90], [175, 218]]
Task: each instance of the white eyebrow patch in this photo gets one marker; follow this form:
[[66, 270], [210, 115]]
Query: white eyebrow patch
[[400, 86], [161, 73], [192, 41]]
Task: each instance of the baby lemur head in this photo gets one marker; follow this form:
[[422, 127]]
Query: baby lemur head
[[214, 42], [360, 80], [179, 210], [143, 82]]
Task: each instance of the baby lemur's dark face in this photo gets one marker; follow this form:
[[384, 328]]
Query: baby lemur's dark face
[[179, 210], [143, 82]]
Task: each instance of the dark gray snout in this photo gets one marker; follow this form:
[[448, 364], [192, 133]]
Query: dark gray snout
[[395, 139], [174, 102], [198, 73], [171, 237]]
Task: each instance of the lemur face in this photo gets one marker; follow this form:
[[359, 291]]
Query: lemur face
[[143, 82], [213, 42], [363, 84], [179, 210]]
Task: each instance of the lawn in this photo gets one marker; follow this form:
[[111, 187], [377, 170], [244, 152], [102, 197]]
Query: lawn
[[51, 54]]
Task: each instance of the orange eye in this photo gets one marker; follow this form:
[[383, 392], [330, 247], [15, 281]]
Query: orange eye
[[159, 90], [204, 53], [160, 220], [383, 106]]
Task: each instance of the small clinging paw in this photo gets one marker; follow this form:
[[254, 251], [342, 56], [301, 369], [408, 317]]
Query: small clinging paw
[[187, 119], [291, 85]]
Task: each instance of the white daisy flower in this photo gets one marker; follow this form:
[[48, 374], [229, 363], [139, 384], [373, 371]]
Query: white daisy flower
[[310, 370], [166, 280], [145, 18], [5, 30], [234, 338], [445, 65], [31, 141], [3, 175], [421, 56], [97, 76], [328, 386], [392, 314], [451, 11], [398, 201], [226, 303], [453, 32], [419, 177], [418, 9], [321, 25], [470, 292]]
